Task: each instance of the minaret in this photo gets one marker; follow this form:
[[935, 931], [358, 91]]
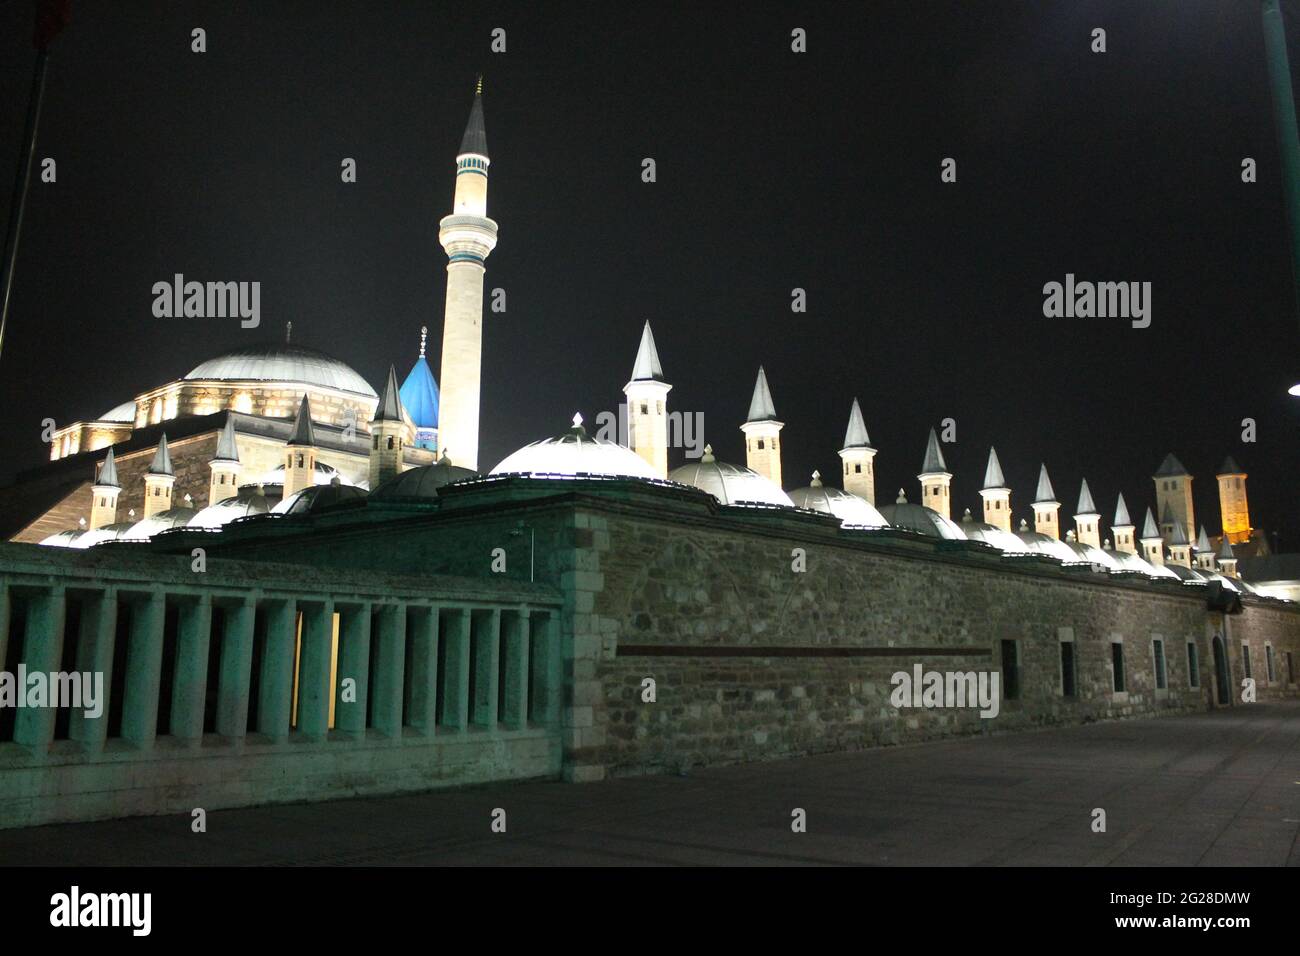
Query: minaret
[[1123, 528], [1173, 493], [387, 434], [1233, 510], [158, 481], [935, 478], [1046, 508], [996, 494], [762, 431], [1087, 519], [300, 452], [858, 456], [1153, 542], [1180, 549], [1204, 553], [468, 236], [224, 481], [104, 492], [1226, 559], [647, 406]]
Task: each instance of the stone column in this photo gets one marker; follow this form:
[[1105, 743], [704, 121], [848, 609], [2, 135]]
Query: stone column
[[386, 682], [275, 690], [143, 669], [423, 665], [314, 668], [514, 636], [548, 687], [190, 685], [354, 665], [486, 648], [236, 669], [455, 680], [42, 651], [95, 656]]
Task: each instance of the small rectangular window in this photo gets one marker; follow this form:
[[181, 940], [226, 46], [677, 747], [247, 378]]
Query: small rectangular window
[[1290, 669], [1193, 666], [1067, 669], [1158, 651], [1268, 662], [1117, 666], [1245, 659], [1010, 670], [857, 469]]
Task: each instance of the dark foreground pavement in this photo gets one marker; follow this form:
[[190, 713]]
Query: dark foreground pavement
[[1213, 789]]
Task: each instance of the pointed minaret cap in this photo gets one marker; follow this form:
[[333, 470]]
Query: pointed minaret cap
[[1122, 520], [1178, 536], [107, 477], [855, 436], [647, 367], [993, 477], [1203, 541], [1086, 504], [389, 408], [1167, 516], [1150, 529], [1225, 550], [816, 480], [1229, 467], [1045, 495], [302, 433], [934, 463], [227, 449], [475, 138], [1171, 467], [707, 458], [761, 408], [162, 459]]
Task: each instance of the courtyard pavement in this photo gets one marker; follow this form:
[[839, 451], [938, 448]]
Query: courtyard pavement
[[1217, 789]]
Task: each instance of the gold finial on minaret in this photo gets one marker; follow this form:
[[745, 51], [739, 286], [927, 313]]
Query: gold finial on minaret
[[478, 90], [424, 334]]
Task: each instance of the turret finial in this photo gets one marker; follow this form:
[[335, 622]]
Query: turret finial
[[478, 89], [288, 332], [424, 334]]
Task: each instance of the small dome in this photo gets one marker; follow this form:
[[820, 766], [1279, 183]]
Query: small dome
[[318, 498], [1092, 555], [247, 502], [1037, 543], [730, 484], [922, 520], [282, 362], [1188, 575], [64, 539], [322, 474], [145, 529], [574, 454], [422, 482], [107, 533], [852, 510], [120, 413], [991, 534]]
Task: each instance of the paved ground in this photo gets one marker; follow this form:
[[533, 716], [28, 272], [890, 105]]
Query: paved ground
[[1214, 789]]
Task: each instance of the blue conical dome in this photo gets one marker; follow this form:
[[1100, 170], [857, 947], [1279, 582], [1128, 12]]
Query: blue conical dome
[[419, 394]]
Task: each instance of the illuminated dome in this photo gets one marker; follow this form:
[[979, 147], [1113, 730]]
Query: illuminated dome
[[120, 413], [1127, 561], [730, 484], [322, 474], [146, 528], [851, 509], [991, 534], [282, 362], [1036, 543], [107, 533], [1093, 555], [422, 482], [64, 539], [319, 497], [574, 454], [921, 519], [247, 502]]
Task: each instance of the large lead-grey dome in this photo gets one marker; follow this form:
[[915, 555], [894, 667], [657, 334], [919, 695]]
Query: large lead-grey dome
[[282, 362]]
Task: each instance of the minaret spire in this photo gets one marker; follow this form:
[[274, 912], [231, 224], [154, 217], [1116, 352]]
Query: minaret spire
[[762, 432], [647, 406]]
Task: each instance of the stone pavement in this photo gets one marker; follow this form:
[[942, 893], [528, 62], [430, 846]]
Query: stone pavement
[[1214, 789]]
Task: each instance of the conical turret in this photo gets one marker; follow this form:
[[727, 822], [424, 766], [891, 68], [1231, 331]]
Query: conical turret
[[858, 457], [647, 406], [762, 432]]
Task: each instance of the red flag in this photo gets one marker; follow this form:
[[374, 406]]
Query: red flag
[[51, 17]]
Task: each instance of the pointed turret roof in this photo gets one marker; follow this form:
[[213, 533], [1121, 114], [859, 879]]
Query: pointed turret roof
[[1045, 494], [761, 408], [227, 450], [1225, 550], [933, 463], [1178, 537], [162, 459], [1229, 467], [1122, 520], [107, 477], [647, 367], [855, 436], [1149, 527], [475, 138], [419, 391], [389, 408], [1171, 467], [302, 431], [993, 477], [1167, 516], [1086, 505], [1203, 541]]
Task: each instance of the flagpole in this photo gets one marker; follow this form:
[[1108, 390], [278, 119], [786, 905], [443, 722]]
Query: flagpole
[[19, 203]]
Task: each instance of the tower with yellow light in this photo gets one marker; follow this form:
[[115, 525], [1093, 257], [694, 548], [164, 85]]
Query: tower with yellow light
[[1233, 509]]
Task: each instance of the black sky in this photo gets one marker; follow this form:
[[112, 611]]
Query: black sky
[[775, 171]]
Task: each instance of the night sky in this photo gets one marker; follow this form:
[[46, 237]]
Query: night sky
[[776, 170]]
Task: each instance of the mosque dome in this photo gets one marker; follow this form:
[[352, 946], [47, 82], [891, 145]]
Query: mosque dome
[[107, 533], [575, 454], [422, 482], [282, 362], [119, 413], [419, 392], [64, 539], [1091, 554], [322, 474], [921, 519], [247, 502], [146, 528], [316, 498], [1127, 561], [852, 510], [730, 484], [1037, 543], [992, 535]]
